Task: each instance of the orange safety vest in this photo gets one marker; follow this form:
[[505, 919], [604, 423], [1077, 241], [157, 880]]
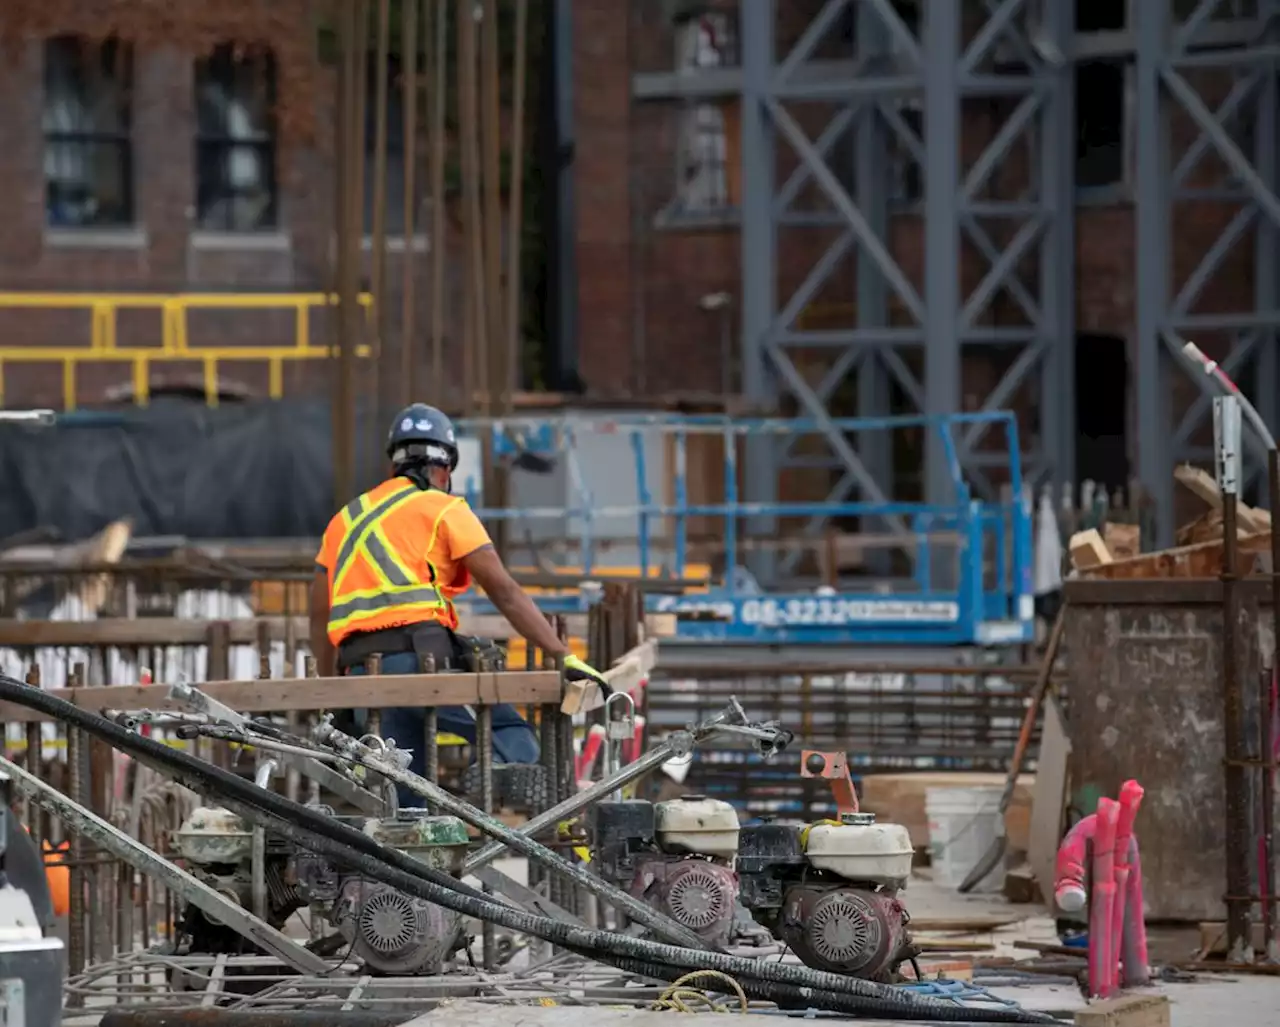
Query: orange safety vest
[[382, 575]]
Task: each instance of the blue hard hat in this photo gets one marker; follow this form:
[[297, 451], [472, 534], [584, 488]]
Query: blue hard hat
[[424, 433]]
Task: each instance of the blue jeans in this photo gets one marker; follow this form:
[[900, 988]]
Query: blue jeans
[[513, 738]]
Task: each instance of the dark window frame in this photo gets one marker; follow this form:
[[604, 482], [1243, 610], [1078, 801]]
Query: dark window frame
[[112, 59], [248, 77]]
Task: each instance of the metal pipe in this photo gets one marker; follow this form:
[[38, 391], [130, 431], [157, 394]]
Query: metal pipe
[[84, 822], [307, 764], [387, 765], [677, 745]]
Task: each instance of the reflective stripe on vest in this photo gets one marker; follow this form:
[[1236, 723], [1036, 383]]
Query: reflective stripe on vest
[[399, 588]]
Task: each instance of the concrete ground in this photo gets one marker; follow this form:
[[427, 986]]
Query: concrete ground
[[1208, 1000]]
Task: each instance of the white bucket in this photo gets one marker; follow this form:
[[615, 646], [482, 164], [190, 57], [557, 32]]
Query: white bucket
[[963, 824]]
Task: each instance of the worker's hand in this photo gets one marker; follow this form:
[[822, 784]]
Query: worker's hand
[[576, 670]]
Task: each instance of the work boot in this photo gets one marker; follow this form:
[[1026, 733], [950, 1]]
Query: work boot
[[519, 787]]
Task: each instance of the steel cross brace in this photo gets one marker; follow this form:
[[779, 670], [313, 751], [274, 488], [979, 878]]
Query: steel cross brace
[[1259, 196], [141, 858]]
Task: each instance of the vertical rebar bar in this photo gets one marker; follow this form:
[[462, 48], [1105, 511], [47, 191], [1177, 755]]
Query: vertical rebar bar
[[77, 910], [476, 333], [35, 750], [408, 267], [549, 736], [484, 746], [515, 209], [439, 144], [1237, 815], [494, 340], [1271, 939], [430, 727]]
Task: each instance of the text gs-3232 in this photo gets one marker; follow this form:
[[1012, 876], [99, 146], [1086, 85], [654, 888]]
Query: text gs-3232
[[832, 610]]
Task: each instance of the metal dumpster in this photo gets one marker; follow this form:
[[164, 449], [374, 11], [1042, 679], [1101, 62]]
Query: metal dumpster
[[1145, 700]]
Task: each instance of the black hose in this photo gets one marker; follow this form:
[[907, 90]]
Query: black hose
[[318, 833]]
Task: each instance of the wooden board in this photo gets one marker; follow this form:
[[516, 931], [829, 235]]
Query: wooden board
[[1203, 560], [1048, 797], [901, 799], [289, 694]]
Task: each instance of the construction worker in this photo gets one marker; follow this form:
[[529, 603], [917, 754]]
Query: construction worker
[[391, 563]]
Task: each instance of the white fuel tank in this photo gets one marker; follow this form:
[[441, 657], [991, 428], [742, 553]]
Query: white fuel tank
[[697, 824], [861, 850]]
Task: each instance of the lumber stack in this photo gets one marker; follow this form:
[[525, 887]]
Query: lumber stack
[[1198, 552]]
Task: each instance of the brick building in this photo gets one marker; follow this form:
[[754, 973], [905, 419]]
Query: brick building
[[182, 187]]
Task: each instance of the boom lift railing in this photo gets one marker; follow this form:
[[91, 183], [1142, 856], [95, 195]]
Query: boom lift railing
[[968, 561]]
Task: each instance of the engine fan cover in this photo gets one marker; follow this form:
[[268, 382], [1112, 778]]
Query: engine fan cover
[[393, 933], [695, 893], [845, 930]]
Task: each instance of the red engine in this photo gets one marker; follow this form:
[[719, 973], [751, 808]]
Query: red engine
[[845, 930], [694, 892]]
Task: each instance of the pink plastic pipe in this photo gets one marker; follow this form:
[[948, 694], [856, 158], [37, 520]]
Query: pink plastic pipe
[[591, 747], [1101, 969], [1070, 895], [1130, 800]]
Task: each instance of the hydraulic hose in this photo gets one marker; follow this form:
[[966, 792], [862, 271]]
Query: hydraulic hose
[[314, 831]]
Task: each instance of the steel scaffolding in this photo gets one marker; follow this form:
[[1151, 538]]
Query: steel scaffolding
[[1174, 62], [1010, 207]]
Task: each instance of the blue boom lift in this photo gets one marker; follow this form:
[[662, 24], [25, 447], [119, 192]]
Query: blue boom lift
[[970, 559]]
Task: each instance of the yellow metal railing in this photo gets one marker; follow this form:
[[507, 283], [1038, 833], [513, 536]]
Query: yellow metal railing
[[175, 341]]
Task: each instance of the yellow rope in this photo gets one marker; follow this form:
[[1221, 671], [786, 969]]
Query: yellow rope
[[681, 998]]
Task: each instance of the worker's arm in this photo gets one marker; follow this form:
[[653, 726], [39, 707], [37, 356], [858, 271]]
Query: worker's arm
[[501, 588], [321, 648]]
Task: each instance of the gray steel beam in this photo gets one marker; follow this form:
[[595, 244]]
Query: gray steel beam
[[1152, 213], [825, 76], [1166, 316], [940, 34], [1266, 385], [759, 236]]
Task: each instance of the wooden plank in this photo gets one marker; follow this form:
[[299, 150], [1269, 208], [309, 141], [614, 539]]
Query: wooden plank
[[1202, 485], [626, 673], [1088, 550], [1198, 561], [143, 632], [1048, 796], [1127, 1011], [285, 695]]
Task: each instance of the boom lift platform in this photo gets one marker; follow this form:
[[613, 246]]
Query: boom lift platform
[[615, 495]]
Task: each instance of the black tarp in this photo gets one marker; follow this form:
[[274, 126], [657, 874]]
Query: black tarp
[[259, 470]]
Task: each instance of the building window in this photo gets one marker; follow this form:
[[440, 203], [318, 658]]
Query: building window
[[88, 160], [702, 178], [235, 142], [395, 178], [1103, 122], [906, 178]]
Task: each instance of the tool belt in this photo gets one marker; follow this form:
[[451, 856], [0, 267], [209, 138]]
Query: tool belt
[[450, 650]]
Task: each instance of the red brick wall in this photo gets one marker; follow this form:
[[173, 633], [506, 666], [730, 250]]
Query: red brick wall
[[165, 253]]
